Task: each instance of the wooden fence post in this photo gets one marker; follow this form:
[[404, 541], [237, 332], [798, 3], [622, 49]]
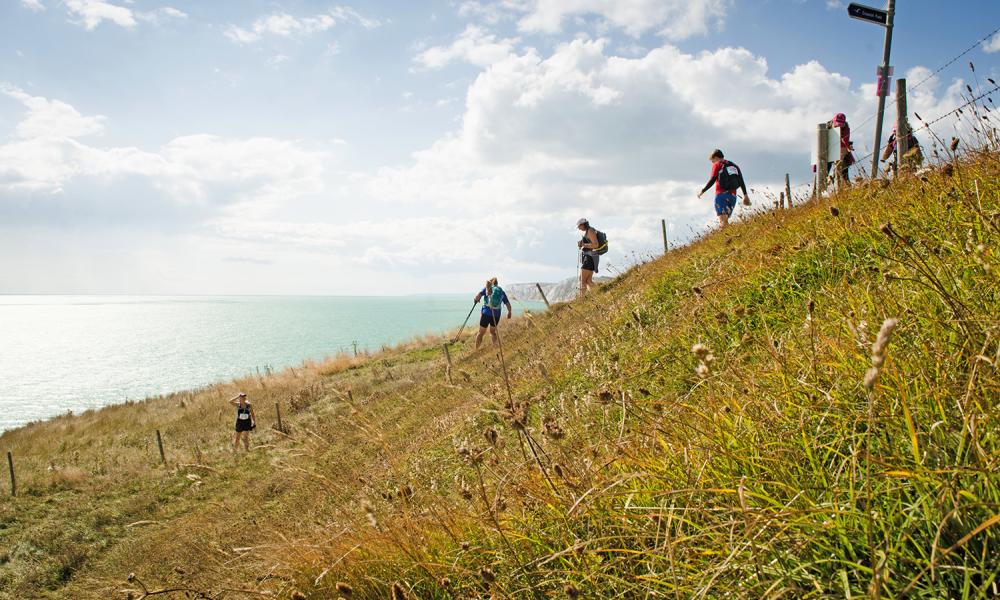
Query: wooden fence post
[[902, 123], [822, 157], [447, 370], [542, 292], [159, 444], [663, 224], [13, 481], [788, 191], [277, 412]]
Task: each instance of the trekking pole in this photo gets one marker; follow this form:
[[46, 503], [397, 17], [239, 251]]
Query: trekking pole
[[459, 334]]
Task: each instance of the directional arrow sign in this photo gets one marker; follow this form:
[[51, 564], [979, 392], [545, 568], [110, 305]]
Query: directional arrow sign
[[867, 13]]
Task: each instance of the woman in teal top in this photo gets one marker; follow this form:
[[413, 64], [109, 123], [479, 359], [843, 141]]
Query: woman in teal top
[[493, 298]]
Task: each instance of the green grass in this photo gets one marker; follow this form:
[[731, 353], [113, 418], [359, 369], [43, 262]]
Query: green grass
[[610, 467]]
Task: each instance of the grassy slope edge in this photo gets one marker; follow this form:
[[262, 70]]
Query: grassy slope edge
[[611, 460]]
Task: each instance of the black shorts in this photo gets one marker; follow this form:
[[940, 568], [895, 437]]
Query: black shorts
[[589, 264], [243, 425], [486, 320]]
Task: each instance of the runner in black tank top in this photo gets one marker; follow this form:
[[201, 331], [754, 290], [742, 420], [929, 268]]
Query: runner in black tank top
[[246, 421]]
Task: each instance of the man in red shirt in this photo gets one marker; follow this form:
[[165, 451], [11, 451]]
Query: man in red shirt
[[726, 183]]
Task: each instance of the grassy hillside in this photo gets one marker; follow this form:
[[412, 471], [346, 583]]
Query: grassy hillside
[[804, 405]]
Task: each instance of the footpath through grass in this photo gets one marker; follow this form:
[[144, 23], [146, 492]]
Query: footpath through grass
[[802, 406]]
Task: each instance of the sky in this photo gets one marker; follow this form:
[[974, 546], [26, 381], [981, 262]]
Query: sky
[[401, 147]]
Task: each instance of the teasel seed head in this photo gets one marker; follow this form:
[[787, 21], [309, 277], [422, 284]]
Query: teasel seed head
[[700, 350]]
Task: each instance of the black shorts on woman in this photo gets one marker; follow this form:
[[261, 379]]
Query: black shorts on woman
[[489, 319]]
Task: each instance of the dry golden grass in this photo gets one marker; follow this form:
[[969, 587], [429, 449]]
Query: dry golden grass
[[704, 426]]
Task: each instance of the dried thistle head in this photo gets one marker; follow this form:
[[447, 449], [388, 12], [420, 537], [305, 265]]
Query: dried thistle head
[[835, 211], [464, 490], [703, 371], [444, 582], [551, 428], [344, 589], [491, 436], [487, 575], [571, 591], [515, 413], [700, 350], [297, 595]]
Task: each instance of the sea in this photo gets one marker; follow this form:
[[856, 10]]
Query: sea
[[73, 353]]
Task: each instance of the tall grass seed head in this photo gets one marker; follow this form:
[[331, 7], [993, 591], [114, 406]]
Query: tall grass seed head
[[884, 337]]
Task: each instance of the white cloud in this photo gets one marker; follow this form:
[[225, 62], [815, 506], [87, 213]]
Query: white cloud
[[35, 5], [474, 45], [92, 13], [50, 118], [674, 19], [544, 138], [992, 45], [161, 15], [45, 154], [285, 25]]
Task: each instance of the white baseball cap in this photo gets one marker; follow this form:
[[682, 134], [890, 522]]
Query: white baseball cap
[[582, 222]]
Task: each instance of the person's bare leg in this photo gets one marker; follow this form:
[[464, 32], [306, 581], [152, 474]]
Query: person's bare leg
[[236, 441], [493, 335], [479, 337], [586, 281], [246, 441], [724, 219]]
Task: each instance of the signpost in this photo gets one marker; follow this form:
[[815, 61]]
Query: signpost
[[885, 19], [867, 13]]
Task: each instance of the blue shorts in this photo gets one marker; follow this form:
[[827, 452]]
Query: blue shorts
[[725, 203]]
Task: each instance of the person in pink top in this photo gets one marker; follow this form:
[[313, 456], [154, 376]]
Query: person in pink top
[[728, 178], [846, 146]]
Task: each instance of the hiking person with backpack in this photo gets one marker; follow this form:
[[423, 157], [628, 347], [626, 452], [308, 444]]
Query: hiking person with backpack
[[846, 146], [727, 177], [246, 421], [593, 244], [914, 157], [493, 298]]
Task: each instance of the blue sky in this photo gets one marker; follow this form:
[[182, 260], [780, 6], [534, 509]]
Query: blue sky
[[172, 146]]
